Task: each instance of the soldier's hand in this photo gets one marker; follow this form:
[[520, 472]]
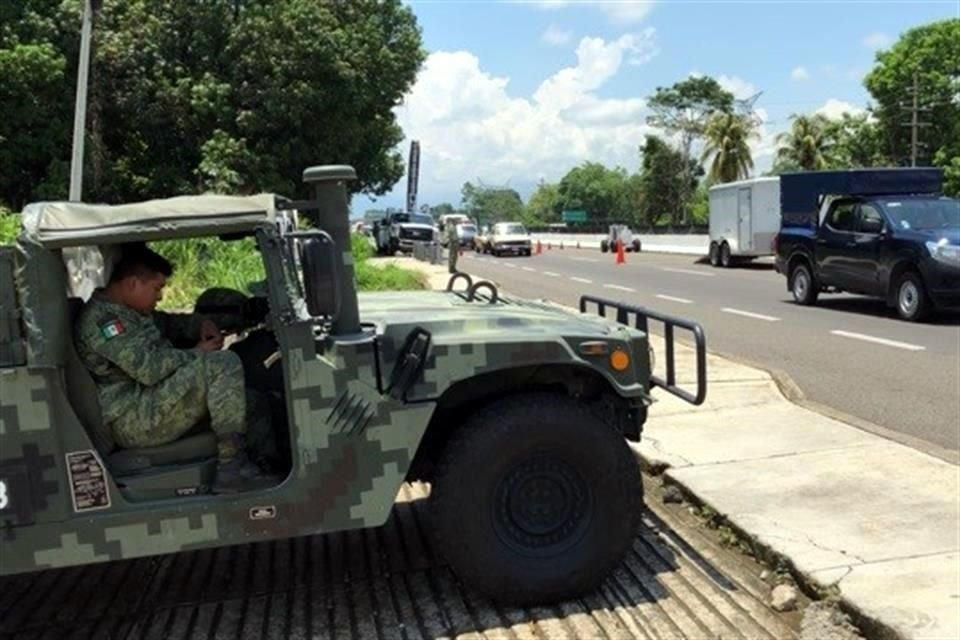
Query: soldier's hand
[[212, 343]]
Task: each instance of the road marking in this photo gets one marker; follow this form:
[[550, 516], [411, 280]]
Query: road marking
[[688, 271], [583, 280], [585, 259], [528, 269], [674, 299], [748, 314], [619, 288], [884, 341], [551, 274], [507, 264]]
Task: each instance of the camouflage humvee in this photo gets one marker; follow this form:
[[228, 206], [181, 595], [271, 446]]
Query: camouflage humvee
[[516, 411]]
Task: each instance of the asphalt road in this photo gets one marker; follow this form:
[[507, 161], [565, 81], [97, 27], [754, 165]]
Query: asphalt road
[[848, 353]]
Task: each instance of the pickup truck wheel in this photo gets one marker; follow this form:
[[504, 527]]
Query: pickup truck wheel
[[534, 501], [725, 259], [604, 246], [912, 302], [802, 285], [636, 246], [714, 254]]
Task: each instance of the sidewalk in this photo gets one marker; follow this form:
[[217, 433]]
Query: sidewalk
[[877, 520]]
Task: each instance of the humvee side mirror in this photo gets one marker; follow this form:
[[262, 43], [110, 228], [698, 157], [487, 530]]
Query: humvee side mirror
[[318, 256]]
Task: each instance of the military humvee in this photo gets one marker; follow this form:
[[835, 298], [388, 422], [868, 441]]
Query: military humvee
[[516, 411]]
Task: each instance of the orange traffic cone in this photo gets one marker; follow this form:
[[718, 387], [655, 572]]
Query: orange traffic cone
[[621, 258], [539, 247]]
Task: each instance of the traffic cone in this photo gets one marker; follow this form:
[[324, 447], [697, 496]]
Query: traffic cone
[[539, 247], [621, 258]]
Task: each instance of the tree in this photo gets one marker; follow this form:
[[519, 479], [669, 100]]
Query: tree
[[442, 209], [685, 109], [217, 95], [728, 136], [856, 141], [544, 205], [930, 57], [807, 144], [598, 190], [664, 182], [487, 205]]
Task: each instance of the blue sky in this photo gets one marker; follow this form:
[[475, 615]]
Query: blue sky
[[517, 92]]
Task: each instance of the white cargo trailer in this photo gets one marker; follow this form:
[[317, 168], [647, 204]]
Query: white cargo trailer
[[744, 218]]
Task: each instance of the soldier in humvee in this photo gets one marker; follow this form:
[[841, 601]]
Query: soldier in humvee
[[153, 393]]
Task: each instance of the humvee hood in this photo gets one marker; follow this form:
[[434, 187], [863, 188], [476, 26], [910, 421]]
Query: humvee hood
[[442, 312]]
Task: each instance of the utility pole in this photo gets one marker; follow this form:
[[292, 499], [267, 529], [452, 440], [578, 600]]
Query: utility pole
[[80, 111], [915, 123]]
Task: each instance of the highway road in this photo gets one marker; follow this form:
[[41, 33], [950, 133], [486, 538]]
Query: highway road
[[848, 353]]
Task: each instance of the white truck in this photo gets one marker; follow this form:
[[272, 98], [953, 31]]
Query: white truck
[[744, 219]]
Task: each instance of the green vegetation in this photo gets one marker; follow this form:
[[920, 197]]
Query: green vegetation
[[9, 226], [218, 95], [209, 262]]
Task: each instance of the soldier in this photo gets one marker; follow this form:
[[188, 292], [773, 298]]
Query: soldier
[[453, 247], [152, 393]]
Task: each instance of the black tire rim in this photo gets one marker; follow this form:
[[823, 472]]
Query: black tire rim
[[801, 284], [908, 298], [542, 507]]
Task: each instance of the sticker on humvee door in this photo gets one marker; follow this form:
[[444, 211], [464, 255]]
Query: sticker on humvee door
[[88, 481]]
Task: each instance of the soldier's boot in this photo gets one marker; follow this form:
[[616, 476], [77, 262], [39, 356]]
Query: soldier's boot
[[235, 471]]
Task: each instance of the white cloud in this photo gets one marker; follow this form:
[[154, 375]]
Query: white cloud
[[877, 41], [834, 109], [739, 87], [470, 127], [800, 73], [555, 36]]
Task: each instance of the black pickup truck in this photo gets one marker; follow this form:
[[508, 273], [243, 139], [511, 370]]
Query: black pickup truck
[[878, 232]]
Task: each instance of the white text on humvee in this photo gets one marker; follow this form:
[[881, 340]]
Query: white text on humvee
[[515, 411]]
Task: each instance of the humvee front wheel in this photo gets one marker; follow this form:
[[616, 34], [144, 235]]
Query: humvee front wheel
[[535, 500]]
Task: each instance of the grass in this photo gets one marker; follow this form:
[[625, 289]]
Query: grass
[[209, 262]]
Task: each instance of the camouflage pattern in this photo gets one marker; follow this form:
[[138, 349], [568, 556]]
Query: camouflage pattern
[[150, 392], [352, 442]]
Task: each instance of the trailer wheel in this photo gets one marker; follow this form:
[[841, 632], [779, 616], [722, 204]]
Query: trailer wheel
[[714, 254], [725, 259], [534, 501], [604, 246], [803, 286], [636, 246]]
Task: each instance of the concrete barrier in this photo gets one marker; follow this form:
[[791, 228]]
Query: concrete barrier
[[690, 244]]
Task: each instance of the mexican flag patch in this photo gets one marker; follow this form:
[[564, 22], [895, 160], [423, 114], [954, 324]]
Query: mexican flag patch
[[111, 328]]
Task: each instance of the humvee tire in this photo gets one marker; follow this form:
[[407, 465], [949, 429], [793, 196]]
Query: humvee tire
[[535, 500]]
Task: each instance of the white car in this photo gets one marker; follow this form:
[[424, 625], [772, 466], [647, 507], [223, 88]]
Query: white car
[[509, 238]]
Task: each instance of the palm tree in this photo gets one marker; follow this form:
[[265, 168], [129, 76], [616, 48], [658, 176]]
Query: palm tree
[[807, 144], [728, 136]]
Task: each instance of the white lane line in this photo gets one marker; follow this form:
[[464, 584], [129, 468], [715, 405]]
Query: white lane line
[[507, 264], [583, 280], [674, 299], [884, 341], [585, 259], [551, 274], [689, 271], [528, 269], [619, 288], [748, 314]]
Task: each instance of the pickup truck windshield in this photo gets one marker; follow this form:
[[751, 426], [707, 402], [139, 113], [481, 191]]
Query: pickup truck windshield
[[511, 229], [943, 213], [414, 218]]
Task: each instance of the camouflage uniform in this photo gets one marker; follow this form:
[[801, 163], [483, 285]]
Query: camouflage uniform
[[150, 392], [453, 247]]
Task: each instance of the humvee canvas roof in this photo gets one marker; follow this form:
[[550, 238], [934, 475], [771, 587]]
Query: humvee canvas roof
[[63, 224]]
